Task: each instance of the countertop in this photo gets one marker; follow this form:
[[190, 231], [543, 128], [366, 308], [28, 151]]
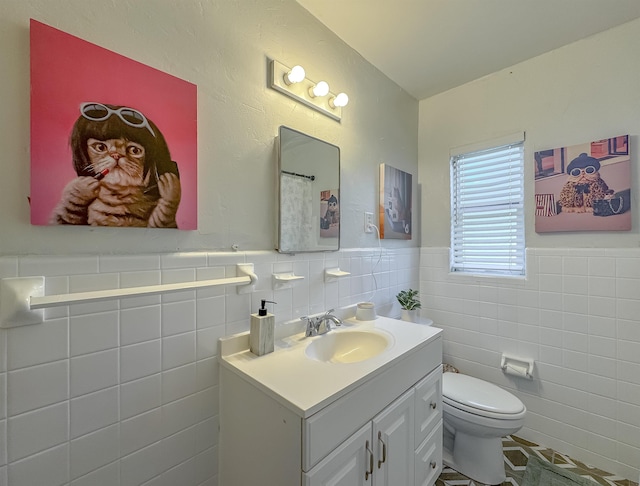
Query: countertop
[[305, 385]]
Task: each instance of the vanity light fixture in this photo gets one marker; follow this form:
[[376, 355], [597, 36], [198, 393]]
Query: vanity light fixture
[[294, 83], [295, 75], [341, 99], [320, 89]]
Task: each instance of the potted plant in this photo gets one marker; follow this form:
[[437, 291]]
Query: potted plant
[[410, 304]]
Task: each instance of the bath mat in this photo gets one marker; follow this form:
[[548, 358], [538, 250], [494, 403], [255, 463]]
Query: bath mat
[[543, 473]]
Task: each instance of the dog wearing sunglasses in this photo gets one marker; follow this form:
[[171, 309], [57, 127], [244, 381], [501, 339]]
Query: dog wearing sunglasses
[[125, 175], [583, 185], [332, 216]]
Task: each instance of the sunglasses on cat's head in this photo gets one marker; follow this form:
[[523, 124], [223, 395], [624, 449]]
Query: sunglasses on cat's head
[[99, 112], [590, 169]]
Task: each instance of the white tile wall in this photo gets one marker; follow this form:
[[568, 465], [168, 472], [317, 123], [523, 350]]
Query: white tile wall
[[93, 372], [37, 386], [50, 467], [577, 314], [94, 450], [125, 392], [38, 430], [94, 411]]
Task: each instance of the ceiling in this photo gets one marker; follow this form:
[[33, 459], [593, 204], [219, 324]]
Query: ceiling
[[430, 46]]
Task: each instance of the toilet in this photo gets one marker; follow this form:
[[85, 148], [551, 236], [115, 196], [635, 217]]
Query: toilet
[[476, 415]]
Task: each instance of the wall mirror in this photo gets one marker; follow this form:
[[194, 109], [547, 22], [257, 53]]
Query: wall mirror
[[308, 193]]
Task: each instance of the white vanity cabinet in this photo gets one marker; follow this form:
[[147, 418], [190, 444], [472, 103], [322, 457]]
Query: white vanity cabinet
[[401, 446], [284, 421]]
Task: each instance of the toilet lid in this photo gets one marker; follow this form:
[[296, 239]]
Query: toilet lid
[[478, 394]]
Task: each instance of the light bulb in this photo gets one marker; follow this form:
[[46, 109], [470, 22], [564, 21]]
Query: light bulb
[[296, 75], [340, 100], [320, 89]]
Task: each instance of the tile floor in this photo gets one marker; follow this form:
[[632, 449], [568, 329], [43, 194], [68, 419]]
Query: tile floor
[[516, 454]]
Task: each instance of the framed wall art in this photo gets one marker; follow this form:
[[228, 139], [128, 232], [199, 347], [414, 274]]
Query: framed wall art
[[584, 187], [394, 213], [113, 141]]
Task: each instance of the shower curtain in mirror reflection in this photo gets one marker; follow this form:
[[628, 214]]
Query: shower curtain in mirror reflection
[[297, 228]]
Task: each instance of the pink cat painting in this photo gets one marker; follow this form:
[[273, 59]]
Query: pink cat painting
[[113, 141], [125, 175]]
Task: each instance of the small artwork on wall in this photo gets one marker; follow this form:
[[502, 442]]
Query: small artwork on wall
[[113, 141], [330, 213], [394, 214], [584, 187]]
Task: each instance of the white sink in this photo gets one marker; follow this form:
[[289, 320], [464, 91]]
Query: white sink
[[347, 346]]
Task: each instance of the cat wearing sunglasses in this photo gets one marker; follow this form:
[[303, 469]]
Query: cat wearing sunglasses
[[125, 175], [583, 185]]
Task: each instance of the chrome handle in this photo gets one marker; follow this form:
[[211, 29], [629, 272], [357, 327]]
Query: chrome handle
[[311, 326], [384, 451], [370, 471]]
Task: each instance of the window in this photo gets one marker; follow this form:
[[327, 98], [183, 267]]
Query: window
[[487, 211]]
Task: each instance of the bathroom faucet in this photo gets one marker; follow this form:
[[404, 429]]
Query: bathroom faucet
[[317, 326], [328, 316]]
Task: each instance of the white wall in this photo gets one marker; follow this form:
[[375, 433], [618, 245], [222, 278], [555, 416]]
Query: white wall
[[222, 47], [578, 311], [582, 92], [125, 393]]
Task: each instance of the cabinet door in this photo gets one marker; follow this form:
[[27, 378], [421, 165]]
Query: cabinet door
[[350, 464], [393, 436], [428, 404]]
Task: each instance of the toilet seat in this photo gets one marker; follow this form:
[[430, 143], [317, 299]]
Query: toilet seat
[[479, 397]]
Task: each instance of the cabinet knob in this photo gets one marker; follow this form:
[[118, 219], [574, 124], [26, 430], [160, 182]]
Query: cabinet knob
[[433, 464], [433, 405]]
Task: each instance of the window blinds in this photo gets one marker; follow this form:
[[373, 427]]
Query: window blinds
[[487, 205]]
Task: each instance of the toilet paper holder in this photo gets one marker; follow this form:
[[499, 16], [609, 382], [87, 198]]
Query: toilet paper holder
[[516, 366]]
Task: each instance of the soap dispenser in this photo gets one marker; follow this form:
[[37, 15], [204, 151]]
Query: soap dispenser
[[261, 336]]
